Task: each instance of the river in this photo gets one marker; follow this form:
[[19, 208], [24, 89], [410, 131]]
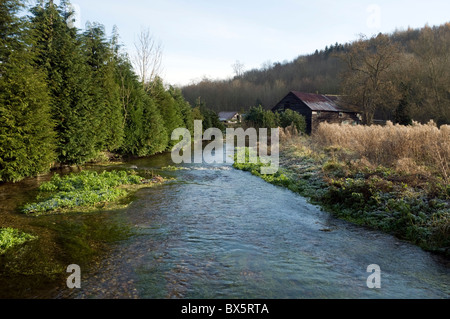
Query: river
[[217, 232]]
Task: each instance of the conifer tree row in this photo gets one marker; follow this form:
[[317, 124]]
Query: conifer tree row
[[67, 95], [27, 139]]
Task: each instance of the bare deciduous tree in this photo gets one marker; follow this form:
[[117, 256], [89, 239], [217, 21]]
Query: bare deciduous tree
[[148, 57], [432, 50], [238, 68], [367, 82]]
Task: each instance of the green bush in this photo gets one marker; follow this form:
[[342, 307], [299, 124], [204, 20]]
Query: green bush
[[290, 117], [257, 117]]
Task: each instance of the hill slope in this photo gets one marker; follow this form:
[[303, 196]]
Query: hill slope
[[422, 70]]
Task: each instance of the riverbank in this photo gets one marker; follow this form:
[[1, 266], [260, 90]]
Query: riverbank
[[381, 198]]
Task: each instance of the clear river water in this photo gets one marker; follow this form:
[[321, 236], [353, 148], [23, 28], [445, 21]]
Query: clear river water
[[217, 232]]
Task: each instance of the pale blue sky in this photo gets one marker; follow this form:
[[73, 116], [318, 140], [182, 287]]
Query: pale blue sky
[[204, 38]]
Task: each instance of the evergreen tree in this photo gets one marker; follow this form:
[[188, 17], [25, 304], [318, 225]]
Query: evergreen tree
[[211, 119], [105, 91], [401, 115], [26, 129], [184, 107], [197, 114], [155, 137], [132, 106], [168, 108], [144, 129], [69, 79], [10, 28], [255, 117]]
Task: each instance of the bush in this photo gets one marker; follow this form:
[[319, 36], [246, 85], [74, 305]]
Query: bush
[[289, 117], [257, 117]]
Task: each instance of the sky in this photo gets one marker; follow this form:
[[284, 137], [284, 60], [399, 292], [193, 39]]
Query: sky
[[204, 38]]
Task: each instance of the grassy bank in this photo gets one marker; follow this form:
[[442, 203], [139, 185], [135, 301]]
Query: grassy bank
[[404, 197]]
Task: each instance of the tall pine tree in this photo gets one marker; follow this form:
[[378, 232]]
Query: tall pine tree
[[144, 129], [26, 128], [59, 52], [105, 91], [167, 106], [184, 107]]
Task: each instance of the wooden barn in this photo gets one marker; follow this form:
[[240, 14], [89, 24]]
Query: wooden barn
[[318, 108]]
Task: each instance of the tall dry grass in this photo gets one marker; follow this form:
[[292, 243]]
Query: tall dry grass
[[405, 148], [288, 133]]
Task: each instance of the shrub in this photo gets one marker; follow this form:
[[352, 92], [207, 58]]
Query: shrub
[[289, 117], [257, 117]]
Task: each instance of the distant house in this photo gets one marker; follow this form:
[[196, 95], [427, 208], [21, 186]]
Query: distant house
[[230, 117], [318, 108]]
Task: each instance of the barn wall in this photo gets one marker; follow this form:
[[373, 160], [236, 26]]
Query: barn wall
[[292, 102], [313, 119]]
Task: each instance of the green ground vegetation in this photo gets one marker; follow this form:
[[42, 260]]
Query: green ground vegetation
[[83, 191], [279, 178], [11, 237]]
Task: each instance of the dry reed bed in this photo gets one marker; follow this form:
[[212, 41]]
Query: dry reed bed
[[411, 149]]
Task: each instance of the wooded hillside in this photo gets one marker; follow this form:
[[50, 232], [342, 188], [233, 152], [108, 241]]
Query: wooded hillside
[[416, 80]]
